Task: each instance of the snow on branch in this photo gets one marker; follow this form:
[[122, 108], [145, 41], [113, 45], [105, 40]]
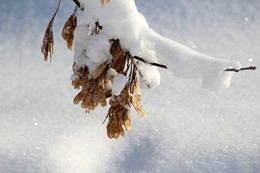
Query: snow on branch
[[116, 53]]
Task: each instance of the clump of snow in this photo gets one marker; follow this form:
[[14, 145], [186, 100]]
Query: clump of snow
[[121, 20], [111, 73], [119, 83]]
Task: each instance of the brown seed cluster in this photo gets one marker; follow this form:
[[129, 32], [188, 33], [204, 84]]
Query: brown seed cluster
[[120, 112], [96, 86], [48, 43], [47, 47], [94, 90]]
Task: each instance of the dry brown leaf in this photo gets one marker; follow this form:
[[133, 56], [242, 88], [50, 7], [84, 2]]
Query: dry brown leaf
[[68, 29], [47, 47]]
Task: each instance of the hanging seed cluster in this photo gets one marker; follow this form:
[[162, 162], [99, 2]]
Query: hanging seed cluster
[[47, 47], [96, 86], [94, 90]]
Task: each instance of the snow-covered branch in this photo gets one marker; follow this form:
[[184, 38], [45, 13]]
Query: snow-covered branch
[[115, 51]]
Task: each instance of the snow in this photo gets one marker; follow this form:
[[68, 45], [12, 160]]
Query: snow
[[188, 129], [131, 28], [119, 83]]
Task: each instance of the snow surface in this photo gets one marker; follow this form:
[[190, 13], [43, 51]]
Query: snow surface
[[188, 129]]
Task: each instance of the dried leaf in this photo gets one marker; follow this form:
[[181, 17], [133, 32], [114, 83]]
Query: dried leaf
[[68, 29], [47, 47]]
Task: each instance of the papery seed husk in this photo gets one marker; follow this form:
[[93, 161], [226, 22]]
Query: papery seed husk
[[68, 30], [86, 100], [120, 116], [95, 96], [87, 111], [93, 105], [138, 107], [102, 95], [113, 102], [99, 70], [116, 135], [128, 124], [78, 98], [137, 89], [76, 84], [121, 130], [84, 90]]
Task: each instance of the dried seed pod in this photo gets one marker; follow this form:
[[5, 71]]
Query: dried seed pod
[[135, 101], [100, 70], [112, 127], [121, 130], [86, 100], [98, 88], [95, 95], [47, 47], [120, 116], [103, 103], [113, 101], [76, 84], [68, 29], [93, 105], [127, 124], [78, 98], [136, 87], [48, 43], [119, 60]]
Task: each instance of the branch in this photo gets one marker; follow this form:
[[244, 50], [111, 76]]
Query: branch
[[242, 69], [151, 63], [78, 4]]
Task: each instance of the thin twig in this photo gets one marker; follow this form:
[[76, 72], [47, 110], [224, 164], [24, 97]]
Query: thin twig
[[151, 63], [78, 4], [241, 69]]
